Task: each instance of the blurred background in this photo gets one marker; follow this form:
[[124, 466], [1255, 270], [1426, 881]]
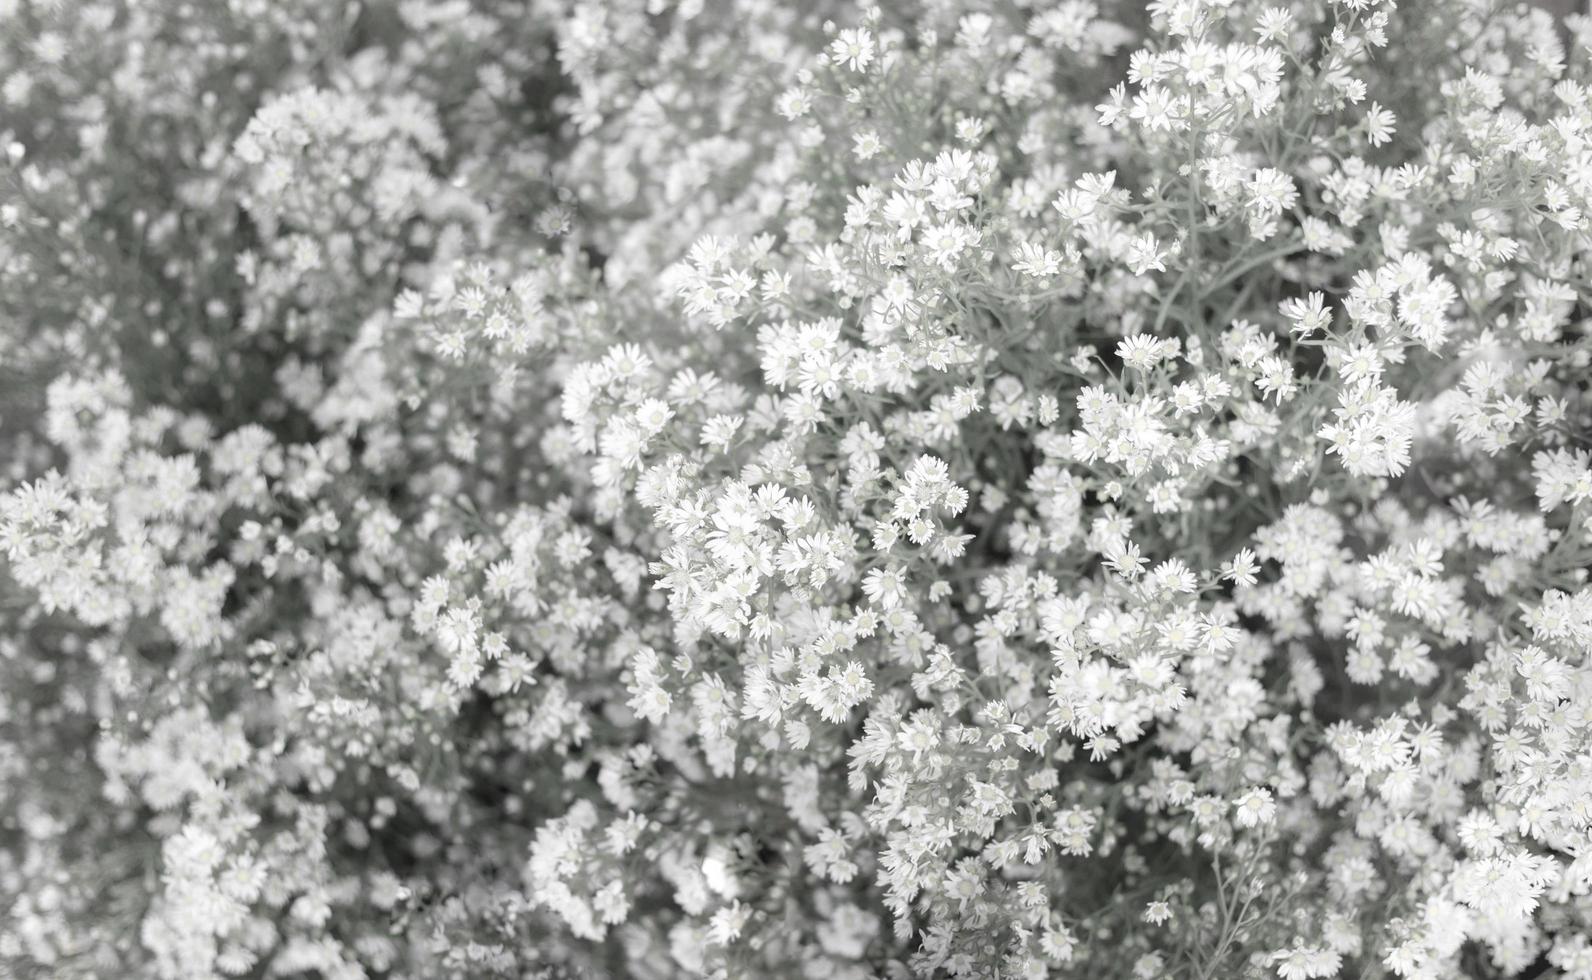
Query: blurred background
[[1563, 7]]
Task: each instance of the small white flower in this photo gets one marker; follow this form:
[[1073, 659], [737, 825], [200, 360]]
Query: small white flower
[[1255, 807]]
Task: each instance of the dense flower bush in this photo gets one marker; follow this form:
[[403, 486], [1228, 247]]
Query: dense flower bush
[[670, 488]]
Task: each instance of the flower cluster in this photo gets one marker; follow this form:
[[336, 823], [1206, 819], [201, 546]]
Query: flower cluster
[[613, 488]]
